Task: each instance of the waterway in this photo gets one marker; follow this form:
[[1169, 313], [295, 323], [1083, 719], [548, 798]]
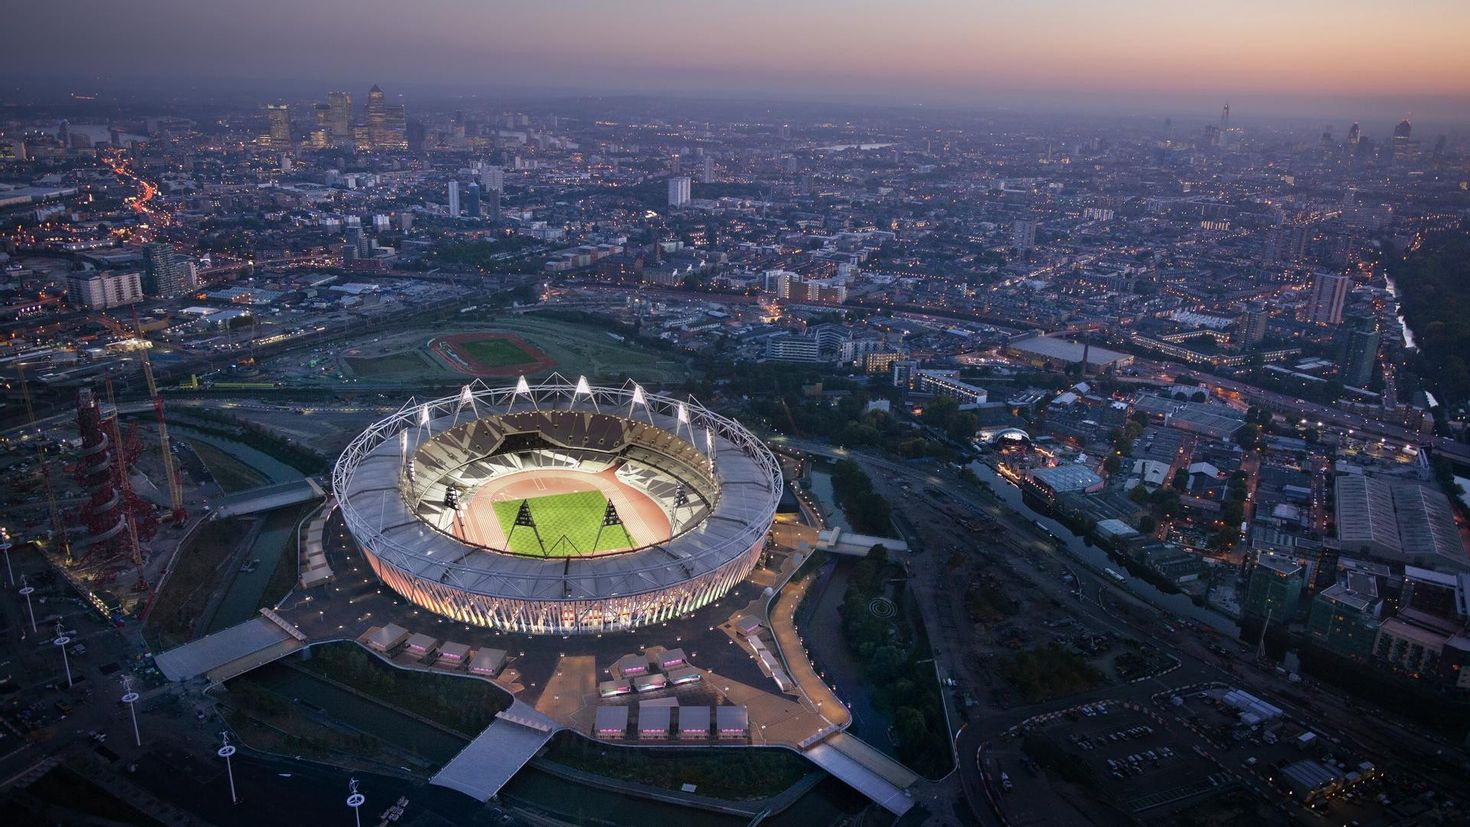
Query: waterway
[[1096, 559], [822, 488], [266, 465], [1398, 311]]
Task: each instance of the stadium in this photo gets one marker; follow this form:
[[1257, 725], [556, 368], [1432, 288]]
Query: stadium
[[558, 508]]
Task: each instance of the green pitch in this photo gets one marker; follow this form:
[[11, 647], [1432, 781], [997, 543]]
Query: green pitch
[[567, 524], [496, 353]]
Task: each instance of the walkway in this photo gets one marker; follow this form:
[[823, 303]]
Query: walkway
[[845, 761], [268, 498], [229, 651], [511, 740]]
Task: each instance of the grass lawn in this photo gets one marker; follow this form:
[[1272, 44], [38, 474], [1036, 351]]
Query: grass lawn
[[231, 474], [407, 364], [198, 571], [496, 353], [567, 523]]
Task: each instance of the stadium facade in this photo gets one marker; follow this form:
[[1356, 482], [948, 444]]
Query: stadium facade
[[403, 482]]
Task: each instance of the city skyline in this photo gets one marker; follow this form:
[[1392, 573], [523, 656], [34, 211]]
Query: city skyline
[[1310, 58]]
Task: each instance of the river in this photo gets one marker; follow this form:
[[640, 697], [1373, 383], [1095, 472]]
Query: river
[[1398, 311], [1096, 559]]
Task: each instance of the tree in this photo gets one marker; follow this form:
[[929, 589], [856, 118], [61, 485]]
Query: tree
[[1147, 524], [1181, 480]]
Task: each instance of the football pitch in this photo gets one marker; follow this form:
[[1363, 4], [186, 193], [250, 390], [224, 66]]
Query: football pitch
[[567, 524]]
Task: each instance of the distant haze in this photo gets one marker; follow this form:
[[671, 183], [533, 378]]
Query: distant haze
[[1349, 58]]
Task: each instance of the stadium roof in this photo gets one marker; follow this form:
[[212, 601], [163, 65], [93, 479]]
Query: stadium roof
[[368, 482]]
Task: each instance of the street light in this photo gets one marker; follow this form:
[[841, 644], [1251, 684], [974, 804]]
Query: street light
[[130, 698], [5, 547], [26, 591], [60, 642], [225, 751], [355, 801]]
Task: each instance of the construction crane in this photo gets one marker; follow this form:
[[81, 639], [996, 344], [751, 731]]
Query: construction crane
[[175, 488], [120, 473], [58, 526]]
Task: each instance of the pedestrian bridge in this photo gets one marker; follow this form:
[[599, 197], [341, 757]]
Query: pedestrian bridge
[[865, 769], [497, 753], [232, 651], [268, 498]]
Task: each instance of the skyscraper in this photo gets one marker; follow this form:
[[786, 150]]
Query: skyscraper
[[1357, 352], [707, 172], [493, 210], [387, 125], [493, 178], [1403, 141], [339, 118], [678, 191], [1253, 324], [453, 199], [166, 273], [1023, 235], [278, 116], [472, 201], [1329, 291]]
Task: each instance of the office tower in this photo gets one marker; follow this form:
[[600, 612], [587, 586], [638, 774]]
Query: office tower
[[166, 273], [1329, 291], [676, 164], [1253, 324], [493, 208], [279, 118], [1403, 141], [1355, 134], [1285, 244], [1224, 120], [1357, 352], [453, 199], [789, 165], [339, 118], [707, 172], [785, 131], [1023, 235], [1274, 590], [472, 201], [678, 192], [387, 125], [492, 178]]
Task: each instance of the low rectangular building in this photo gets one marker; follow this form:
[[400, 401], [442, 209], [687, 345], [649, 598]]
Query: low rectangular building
[[694, 722], [628, 666], [732, 723], [614, 688], [687, 674], [654, 721], [649, 683], [611, 723], [386, 638], [422, 645], [488, 662], [670, 659], [453, 654]]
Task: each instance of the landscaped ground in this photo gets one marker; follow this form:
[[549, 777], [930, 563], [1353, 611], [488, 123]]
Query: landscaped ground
[[568, 525], [488, 354]]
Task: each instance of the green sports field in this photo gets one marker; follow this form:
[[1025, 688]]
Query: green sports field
[[567, 524], [496, 353]]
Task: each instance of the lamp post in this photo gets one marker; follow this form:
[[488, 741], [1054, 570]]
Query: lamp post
[[355, 801], [26, 591], [130, 698], [60, 643], [225, 751], [5, 547]]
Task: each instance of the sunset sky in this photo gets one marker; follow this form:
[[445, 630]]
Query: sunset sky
[[1403, 55]]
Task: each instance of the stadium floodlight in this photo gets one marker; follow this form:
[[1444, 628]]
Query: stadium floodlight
[[682, 419], [523, 388], [709, 446], [424, 418], [584, 389], [639, 399], [466, 400]]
